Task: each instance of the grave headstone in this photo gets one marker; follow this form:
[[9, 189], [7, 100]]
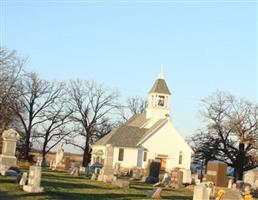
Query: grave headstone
[[94, 177], [23, 179], [251, 177], [166, 179], [137, 173], [82, 170], [200, 193], [67, 163], [51, 164], [187, 178], [59, 157], [122, 183], [11, 172], [176, 178], [232, 195], [34, 180], [107, 172], [97, 170], [230, 182], [39, 161], [217, 173], [75, 171], [154, 171], [7, 158], [117, 168]]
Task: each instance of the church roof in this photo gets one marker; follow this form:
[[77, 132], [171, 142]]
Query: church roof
[[130, 133], [160, 86]]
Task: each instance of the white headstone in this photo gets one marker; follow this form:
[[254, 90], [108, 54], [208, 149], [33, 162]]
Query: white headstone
[[23, 179], [34, 180], [187, 177], [230, 183], [59, 156], [107, 172], [200, 193], [251, 176], [82, 170], [7, 158]]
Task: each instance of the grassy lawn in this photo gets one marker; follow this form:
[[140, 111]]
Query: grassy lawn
[[62, 186]]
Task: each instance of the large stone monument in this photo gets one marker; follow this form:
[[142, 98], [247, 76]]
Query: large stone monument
[[7, 158], [34, 180], [217, 173], [59, 157], [107, 172]]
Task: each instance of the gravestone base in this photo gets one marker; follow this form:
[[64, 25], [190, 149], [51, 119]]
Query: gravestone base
[[107, 178], [122, 183], [6, 162], [32, 189], [3, 169], [34, 180]]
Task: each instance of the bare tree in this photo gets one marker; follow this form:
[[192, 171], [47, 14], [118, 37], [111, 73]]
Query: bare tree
[[134, 105], [10, 73], [36, 97], [231, 132], [55, 128], [92, 105]]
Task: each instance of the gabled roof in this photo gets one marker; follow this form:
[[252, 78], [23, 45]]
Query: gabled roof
[[160, 86], [129, 134]]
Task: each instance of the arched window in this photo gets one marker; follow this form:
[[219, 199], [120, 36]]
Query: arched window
[[161, 101], [121, 154]]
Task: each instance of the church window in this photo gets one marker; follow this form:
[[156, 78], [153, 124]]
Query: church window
[[145, 156], [121, 154], [161, 101], [180, 160]]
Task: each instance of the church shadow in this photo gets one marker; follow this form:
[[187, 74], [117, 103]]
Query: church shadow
[[7, 181], [94, 196], [65, 185], [174, 197]]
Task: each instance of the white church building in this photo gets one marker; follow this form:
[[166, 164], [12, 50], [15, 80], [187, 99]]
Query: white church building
[[149, 135]]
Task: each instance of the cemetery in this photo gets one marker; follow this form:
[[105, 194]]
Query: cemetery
[[76, 140], [75, 182], [144, 158]]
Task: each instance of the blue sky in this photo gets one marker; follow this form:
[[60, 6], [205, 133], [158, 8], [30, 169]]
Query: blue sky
[[204, 47]]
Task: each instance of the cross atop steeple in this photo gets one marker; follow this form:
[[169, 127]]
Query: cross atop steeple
[[161, 76]]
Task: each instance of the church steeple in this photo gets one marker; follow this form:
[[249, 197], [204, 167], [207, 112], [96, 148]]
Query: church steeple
[[158, 99]]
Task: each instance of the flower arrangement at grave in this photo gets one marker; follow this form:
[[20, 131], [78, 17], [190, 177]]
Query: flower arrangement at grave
[[248, 197], [220, 194], [247, 194], [210, 188]]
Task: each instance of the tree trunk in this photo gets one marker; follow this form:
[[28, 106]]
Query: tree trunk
[[86, 153], [27, 148], [44, 154], [240, 160]]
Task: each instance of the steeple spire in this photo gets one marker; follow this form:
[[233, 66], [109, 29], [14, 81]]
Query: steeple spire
[[158, 99], [161, 75]]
